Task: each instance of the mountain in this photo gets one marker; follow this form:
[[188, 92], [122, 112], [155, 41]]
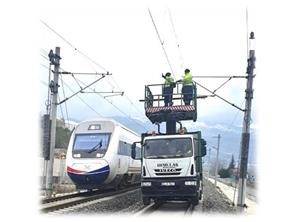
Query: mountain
[[210, 128], [230, 136]]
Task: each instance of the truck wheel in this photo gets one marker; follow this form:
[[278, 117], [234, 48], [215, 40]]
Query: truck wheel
[[200, 195], [158, 201], [201, 191], [195, 200], [146, 201]]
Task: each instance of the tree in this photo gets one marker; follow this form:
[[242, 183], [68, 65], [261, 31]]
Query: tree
[[62, 135], [231, 164], [224, 173]]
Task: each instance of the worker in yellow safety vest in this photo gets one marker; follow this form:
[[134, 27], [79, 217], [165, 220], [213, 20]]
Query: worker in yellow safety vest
[[187, 89], [168, 89]]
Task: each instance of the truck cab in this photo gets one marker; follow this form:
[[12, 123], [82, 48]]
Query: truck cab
[[171, 167]]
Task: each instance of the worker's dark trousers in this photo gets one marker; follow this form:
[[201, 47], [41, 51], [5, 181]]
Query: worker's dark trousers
[[187, 94], [167, 93]]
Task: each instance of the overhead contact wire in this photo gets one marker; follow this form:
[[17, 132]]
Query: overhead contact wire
[[162, 43]]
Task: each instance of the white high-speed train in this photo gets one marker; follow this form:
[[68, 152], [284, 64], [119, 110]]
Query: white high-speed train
[[99, 155]]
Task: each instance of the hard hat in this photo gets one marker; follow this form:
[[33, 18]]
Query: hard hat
[[187, 70], [168, 74]]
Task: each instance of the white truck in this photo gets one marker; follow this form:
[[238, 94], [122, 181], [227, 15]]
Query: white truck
[[171, 167]]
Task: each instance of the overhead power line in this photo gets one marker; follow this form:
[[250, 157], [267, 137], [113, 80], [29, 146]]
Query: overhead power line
[[61, 110], [93, 61], [103, 97], [176, 39], [81, 90], [80, 98], [161, 42], [64, 98], [46, 84], [72, 46], [219, 97], [125, 95], [121, 111]]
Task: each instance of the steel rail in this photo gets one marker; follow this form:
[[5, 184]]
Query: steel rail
[[80, 200]]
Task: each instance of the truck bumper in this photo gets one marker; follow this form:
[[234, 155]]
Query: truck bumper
[[160, 188]]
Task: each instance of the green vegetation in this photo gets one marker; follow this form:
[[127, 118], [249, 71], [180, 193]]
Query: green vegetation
[[62, 135], [224, 173], [227, 173]]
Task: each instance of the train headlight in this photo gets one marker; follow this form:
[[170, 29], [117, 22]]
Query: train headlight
[[94, 127], [190, 183], [146, 184], [99, 155]]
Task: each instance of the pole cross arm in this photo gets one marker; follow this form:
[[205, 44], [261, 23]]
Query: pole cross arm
[[245, 76], [83, 73], [80, 90], [115, 94], [119, 92], [214, 94]]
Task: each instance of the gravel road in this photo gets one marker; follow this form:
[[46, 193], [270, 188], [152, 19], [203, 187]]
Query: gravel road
[[215, 201]]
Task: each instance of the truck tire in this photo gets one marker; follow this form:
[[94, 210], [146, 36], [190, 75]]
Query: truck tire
[[195, 200], [146, 201], [158, 201], [201, 191]]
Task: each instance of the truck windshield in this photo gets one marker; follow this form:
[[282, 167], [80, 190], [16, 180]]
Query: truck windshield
[[168, 148], [91, 142]]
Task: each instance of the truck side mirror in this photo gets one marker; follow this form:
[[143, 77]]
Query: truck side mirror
[[133, 151], [203, 151], [203, 147]]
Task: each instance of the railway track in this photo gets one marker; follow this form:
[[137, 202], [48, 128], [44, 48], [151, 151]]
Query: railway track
[[69, 196], [58, 203], [172, 207]]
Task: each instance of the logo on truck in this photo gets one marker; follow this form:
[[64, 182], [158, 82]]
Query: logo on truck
[[167, 165], [166, 170]]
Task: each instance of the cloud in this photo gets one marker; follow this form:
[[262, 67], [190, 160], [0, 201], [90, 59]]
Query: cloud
[[205, 125]]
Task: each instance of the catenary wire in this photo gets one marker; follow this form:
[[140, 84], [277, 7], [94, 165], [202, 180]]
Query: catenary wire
[[71, 45], [93, 89], [63, 88], [44, 83], [176, 39], [161, 42], [82, 100], [62, 114], [114, 106]]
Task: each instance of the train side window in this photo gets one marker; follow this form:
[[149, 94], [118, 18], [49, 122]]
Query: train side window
[[138, 153], [121, 148], [128, 149], [124, 148]]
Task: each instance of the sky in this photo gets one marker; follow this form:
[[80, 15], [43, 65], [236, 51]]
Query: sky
[[207, 38], [212, 38], [121, 38]]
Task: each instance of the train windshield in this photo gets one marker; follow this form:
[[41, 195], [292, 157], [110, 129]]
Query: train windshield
[[168, 148], [91, 143]]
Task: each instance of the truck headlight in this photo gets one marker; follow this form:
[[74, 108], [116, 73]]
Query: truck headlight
[[146, 184], [190, 183]]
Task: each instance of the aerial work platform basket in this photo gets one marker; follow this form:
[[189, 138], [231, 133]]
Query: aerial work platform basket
[[156, 110]]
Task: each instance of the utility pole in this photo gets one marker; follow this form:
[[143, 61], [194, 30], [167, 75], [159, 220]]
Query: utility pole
[[217, 160], [208, 162], [54, 85], [245, 136]]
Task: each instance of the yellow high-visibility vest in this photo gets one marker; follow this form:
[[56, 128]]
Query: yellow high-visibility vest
[[188, 79], [168, 81]]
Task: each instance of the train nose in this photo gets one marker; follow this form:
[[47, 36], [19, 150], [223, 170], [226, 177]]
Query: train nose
[[88, 174]]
